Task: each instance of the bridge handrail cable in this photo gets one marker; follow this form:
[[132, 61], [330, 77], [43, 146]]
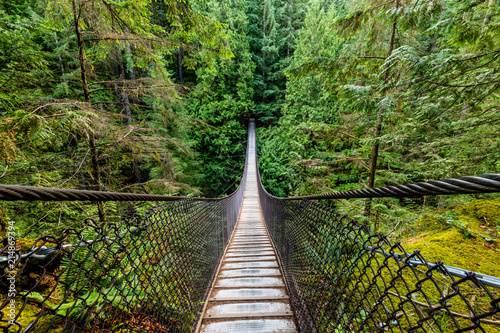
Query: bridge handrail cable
[[357, 292], [486, 183]]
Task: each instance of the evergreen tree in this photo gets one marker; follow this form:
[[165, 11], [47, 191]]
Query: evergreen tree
[[308, 96], [296, 150], [273, 27], [224, 102], [99, 111]]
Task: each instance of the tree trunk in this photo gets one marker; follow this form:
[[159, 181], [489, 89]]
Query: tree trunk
[[123, 98], [130, 68], [263, 52], [122, 92], [391, 44], [137, 172], [179, 59], [91, 137], [81, 53], [61, 64], [290, 28], [489, 13], [441, 202], [378, 131], [290, 32]]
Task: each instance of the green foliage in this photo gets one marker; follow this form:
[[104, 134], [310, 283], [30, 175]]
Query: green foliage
[[436, 94], [308, 97], [224, 102], [295, 156], [319, 75], [135, 111], [23, 64], [272, 29]]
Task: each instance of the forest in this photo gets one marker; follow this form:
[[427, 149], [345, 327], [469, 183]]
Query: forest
[[153, 96]]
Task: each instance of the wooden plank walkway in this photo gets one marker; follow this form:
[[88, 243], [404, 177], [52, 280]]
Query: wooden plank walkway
[[249, 293]]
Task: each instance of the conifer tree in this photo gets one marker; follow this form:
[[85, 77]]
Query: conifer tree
[[273, 27], [224, 101], [308, 95]]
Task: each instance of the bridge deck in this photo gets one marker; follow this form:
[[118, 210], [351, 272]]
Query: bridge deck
[[249, 293]]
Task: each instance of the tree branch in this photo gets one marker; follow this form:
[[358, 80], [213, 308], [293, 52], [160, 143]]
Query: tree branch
[[461, 86]]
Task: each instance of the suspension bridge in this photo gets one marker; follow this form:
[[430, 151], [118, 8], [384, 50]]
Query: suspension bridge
[[248, 262]]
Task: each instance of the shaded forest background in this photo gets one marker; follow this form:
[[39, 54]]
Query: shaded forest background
[[153, 96]]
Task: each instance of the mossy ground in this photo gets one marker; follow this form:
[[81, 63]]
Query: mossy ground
[[464, 236], [467, 237], [30, 313]]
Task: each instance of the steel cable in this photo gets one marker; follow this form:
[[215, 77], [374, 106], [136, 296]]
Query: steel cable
[[153, 273], [487, 183], [31, 193]]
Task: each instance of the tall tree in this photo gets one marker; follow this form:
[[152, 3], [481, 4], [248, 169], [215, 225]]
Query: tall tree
[[415, 87], [224, 101], [309, 97], [375, 24], [273, 27]]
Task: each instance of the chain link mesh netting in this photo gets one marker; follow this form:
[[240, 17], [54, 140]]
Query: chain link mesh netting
[[342, 278], [152, 274], [142, 274]]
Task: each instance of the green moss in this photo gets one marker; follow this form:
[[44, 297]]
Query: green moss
[[456, 249], [3, 222], [464, 236], [457, 237], [486, 211], [479, 218], [30, 313], [25, 244]]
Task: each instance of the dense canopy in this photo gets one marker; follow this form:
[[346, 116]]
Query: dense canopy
[[153, 96]]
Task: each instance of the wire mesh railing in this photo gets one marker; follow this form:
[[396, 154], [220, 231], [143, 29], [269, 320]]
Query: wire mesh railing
[[146, 273], [343, 278], [152, 273]]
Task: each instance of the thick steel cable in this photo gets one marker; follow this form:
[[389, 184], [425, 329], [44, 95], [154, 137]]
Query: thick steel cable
[[31, 193], [487, 183]]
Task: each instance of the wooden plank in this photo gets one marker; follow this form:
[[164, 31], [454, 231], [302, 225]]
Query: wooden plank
[[249, 276], [249, 315], [244, 255], [249, 267], [239, 259], [245, 299], [257, 249], [251, 286]]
